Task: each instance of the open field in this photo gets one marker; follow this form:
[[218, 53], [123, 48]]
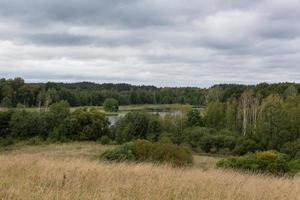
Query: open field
[[71, 171]]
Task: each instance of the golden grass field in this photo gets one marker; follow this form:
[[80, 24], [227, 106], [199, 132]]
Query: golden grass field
[[72, 171]]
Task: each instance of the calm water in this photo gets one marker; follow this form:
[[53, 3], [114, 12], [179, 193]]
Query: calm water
[[113, 119]]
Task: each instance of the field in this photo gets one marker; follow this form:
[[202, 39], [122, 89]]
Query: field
[[73, 171]]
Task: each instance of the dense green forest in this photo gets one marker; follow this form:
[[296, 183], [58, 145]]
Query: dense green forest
[[16, 91]]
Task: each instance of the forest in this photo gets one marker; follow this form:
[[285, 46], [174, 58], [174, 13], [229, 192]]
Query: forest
[[16, 91]]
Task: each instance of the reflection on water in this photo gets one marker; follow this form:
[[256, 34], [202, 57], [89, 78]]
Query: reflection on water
[[114, 118]]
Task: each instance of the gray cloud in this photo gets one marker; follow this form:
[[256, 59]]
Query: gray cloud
[[160, 42]]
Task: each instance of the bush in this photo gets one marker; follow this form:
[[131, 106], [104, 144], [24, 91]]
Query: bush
[[105, 140], [217, 142], [165, 140], [121, 153], [245, 145], [294, 166], [143, 150], [111, 105], [271, 162], [292, 149], [193, 135], [4, 123], [6, 142]]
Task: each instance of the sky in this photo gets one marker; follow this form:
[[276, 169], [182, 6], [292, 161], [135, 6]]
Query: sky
[[151, 42]]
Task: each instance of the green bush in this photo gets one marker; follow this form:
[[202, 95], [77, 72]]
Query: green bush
[[271, 162], [143, 150], [6, 142], [165, 140], [193, 135], [121, 153], [216, 142], [292, 149], [105, 140], [245, 145], [294, 166]]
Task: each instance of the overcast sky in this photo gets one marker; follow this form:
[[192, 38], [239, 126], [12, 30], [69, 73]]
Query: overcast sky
[[158, 42]]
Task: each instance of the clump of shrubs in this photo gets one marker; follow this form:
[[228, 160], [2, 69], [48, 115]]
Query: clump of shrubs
[[145, 151], [269, 162], [104, 140]]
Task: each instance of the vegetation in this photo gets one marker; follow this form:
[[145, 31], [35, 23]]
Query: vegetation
[[237, 120], [111, 105], [69, 171], [271, 162], [143, 150]]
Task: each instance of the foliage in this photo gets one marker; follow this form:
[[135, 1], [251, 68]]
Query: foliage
[[292, 149], [271, 162], [194, 118], [111, 105], [193, 135], [87, 125], [214, 143], [138, 125], [245, 145], [121, 153], [105, 140], [143, 150], [5, 117]]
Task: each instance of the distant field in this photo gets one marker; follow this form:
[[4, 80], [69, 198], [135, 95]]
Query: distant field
[[72, 171]]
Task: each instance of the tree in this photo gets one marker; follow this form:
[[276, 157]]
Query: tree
[[134, 125], [194, 118], [85, 125], [111, 105], [215, 115]]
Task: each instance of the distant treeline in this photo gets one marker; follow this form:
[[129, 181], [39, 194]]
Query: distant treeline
[[16, 91]]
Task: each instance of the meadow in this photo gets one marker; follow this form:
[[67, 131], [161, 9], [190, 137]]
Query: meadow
[[74, 171]]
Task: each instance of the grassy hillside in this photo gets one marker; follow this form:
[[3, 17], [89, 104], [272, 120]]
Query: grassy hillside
[[71, 171]]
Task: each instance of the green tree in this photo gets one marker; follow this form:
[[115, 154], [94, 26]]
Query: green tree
[[111, 105], [215, 115], [194, 118]]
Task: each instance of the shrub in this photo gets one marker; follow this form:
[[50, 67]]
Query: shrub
[[165, 140], [193, 135], [25, 124], [6, 142], [245, 145], [292, 149], [4, 123], [121, 153], [217, 142], [105, 140], [294, 166], [143, 150], [271, 162]]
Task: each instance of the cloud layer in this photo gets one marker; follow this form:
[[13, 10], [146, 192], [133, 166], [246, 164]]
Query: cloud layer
[[159, 42]]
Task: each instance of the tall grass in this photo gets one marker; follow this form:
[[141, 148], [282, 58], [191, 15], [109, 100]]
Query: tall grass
[[43, 173]]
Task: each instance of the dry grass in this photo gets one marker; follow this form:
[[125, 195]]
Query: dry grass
[[69, 172]]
